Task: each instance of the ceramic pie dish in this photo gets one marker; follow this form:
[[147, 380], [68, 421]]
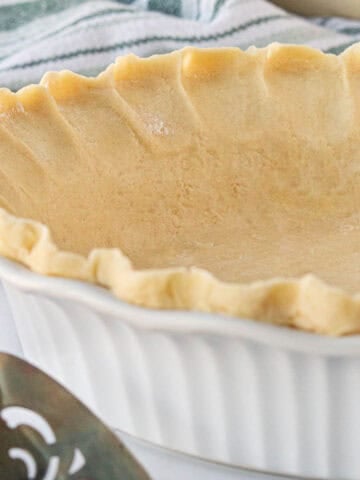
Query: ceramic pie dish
[[213, 197], [228, 390]]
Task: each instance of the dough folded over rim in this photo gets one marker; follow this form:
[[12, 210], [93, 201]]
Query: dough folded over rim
[[216, 180]]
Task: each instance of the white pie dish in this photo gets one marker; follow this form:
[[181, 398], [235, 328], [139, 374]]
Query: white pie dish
[[226, 389]]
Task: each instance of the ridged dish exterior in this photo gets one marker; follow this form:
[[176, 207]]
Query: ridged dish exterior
[[219, 396]]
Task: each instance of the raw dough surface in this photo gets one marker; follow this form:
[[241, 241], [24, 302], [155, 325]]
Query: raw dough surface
[[244, 164]]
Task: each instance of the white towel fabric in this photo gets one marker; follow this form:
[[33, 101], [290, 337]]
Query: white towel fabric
[[85, 36]]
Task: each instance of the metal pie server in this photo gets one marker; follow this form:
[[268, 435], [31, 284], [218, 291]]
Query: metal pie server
[[47, 434]]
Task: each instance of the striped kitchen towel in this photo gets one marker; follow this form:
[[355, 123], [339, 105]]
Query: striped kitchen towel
[[85, 36]]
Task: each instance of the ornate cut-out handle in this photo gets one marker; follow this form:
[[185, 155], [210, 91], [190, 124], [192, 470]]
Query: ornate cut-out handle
[[47, 434]]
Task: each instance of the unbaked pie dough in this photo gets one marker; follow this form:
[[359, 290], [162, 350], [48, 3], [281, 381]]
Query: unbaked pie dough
[[213, 180]]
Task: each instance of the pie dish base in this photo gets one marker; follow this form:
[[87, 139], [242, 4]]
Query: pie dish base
[[159, 461], [230, 390]]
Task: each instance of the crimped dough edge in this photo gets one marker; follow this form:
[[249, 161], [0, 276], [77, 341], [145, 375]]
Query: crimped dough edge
[[305, 303]]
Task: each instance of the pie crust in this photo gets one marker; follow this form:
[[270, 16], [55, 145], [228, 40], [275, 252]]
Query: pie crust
[[213, 180]]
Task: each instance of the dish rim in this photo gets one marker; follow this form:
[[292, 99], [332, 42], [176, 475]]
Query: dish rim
[[175, 321]]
